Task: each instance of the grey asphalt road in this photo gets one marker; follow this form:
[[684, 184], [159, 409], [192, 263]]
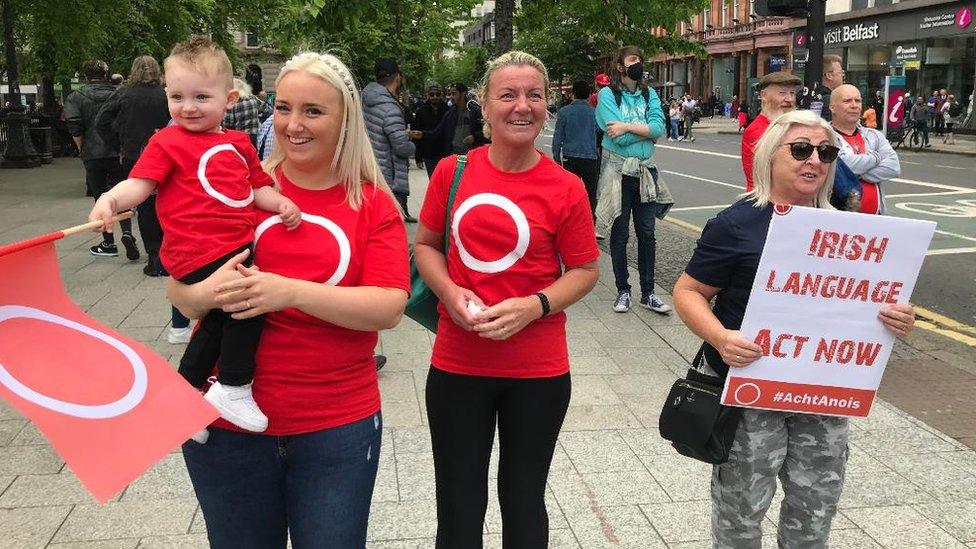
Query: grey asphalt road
[[706, 176]]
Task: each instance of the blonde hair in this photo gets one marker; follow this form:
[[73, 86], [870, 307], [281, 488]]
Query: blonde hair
[[513, 58], [243, 88], [145, 70], [200, 54], [766, 149], [354, 161]]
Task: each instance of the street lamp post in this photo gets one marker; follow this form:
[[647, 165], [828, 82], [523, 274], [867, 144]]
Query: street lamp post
[[19, 153]]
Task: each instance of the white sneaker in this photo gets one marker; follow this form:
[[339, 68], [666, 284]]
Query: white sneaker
[[681, 138], [201, 436], [670, 139], [236, 405], [177, 336]]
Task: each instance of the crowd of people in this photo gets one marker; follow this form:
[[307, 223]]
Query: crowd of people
[[284, 233]]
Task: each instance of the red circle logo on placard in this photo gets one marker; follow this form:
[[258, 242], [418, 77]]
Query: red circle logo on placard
[[782, 209], [747, 394]]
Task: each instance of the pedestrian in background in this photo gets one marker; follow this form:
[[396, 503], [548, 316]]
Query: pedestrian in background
[[691, 112], [309, 478], [101, 158], [132, 116], [808, 452], [953, 114], [674, 119], [630, 187], [247, 113], [920, 115], [574, 141], [777, 94], [429, 149], [386, 125], [500, 356]]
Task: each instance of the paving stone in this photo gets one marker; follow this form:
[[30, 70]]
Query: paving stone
[[613, 527], [646, 442], [959, 519], [406, 362], [385, 488], [199, 524], [29, 460], [403, 544], [395, 341], [8, 412], [390, 521], [128, 543], [641, 339], [656, 384], [397, 387], [593, 391], [411, 440], [902, 528], [639, 361], [681, 521], [415, 475], [935, 475], [30, 435], [682, 478], [899, 442], [581, 324], [185, 541], [592, 418], [681, 339], [646, 408], [599, 452], [167, 479], [875, 488], [584, 345], [44, 490], [607, 489], [9, 429], [592, 365], [30, 527], [127, 519], [402, 414]]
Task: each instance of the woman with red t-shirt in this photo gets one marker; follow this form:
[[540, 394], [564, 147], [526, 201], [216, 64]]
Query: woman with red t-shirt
[[517, 220], [325, 289]]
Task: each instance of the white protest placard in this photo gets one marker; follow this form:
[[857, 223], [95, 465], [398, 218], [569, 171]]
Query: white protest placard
[[823, 277]]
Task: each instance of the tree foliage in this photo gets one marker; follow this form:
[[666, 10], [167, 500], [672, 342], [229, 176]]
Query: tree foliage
[[569, 35]]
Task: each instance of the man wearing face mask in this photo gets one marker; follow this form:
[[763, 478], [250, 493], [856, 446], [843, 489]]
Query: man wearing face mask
[[777, 94], [631, 117], [427, 117], [387, 129]]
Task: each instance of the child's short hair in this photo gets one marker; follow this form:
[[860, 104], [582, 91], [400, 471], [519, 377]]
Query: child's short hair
[[199, 53]]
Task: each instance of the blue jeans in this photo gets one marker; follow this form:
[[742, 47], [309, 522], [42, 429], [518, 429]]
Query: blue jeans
[[256, 489], [643, 213], [674, 128]]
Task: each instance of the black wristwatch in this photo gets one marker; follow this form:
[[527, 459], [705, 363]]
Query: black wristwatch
[[545, 303]]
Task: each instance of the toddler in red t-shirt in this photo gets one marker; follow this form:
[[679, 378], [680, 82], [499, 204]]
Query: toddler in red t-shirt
[[208, 182]]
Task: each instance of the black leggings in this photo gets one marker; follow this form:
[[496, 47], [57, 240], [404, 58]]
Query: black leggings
[[461, 412]]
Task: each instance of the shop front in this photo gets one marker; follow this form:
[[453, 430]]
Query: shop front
[[934, 47]]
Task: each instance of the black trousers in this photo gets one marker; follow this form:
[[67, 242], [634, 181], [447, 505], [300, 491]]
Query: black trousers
[[149, 227], [101, 174], [401, 197], [588, 169], [462, 412], [430, 162], [234, 342]]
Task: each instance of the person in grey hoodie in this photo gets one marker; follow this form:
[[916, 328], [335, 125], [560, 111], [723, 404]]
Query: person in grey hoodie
[[387, 129]]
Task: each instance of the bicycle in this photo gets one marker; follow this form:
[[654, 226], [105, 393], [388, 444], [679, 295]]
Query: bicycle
[[912, 136]]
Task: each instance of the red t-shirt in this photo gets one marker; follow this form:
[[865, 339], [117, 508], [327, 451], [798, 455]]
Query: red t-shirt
[[593, 99], [205, 200], [511, 232], [312, 374], [750, 137], [869, 191]]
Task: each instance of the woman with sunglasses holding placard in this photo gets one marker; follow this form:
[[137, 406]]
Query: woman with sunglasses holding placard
[[794, 164]]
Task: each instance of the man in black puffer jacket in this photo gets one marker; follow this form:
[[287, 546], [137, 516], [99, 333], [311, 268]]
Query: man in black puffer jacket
[[101, 158], [387, 129]]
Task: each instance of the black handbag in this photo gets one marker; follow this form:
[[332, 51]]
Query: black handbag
[[422, 304], [695, 421]]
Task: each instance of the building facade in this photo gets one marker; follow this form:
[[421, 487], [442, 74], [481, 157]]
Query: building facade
[[261, 63]]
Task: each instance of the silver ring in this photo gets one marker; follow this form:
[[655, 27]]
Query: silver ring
[[737, 357], [247, 303]]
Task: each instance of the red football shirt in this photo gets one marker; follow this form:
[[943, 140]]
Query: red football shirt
[[750, 137], [512, 232], [205, 200], [869, 191], [312, 374]]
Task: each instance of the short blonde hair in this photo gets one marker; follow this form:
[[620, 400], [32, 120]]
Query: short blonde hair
[[200, 54], [513, 58], [766, 149], [243, 88], [354, 161]]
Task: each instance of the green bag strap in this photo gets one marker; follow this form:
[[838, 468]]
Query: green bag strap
[[461, 161]]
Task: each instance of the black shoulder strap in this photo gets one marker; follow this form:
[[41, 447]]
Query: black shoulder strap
[[617, 95]]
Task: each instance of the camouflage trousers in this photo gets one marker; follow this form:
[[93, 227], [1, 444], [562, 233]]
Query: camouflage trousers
[[808, 452]]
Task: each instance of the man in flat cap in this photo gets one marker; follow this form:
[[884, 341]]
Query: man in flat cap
[[777, 93]]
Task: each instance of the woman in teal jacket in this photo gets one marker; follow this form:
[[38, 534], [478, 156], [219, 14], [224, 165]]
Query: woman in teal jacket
[[631, 117]]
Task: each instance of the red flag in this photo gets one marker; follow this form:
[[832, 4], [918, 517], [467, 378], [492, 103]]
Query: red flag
[[109, 406]]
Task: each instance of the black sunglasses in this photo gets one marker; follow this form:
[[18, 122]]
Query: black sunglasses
[[435, 94], [801, 150]]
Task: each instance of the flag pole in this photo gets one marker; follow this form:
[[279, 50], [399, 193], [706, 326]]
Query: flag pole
[[57, 235]]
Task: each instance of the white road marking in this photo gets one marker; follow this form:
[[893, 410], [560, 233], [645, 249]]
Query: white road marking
[[949, 251], [695, 177], [690, 208]]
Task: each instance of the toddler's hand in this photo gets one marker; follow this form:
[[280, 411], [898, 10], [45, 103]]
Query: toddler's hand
[[103, 211], [291, 216]]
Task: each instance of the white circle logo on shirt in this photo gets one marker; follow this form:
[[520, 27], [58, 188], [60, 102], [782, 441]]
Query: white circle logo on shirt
[[202, 175], [521, 224], [86, 411], [345, 250]]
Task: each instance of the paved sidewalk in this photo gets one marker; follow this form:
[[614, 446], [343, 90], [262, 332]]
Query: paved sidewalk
[[964, 144], [614, 482]]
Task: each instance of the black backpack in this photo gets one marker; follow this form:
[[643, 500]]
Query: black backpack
[[955, 109]]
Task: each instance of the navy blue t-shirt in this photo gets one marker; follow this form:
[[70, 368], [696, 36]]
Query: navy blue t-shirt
[[727, 257]]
